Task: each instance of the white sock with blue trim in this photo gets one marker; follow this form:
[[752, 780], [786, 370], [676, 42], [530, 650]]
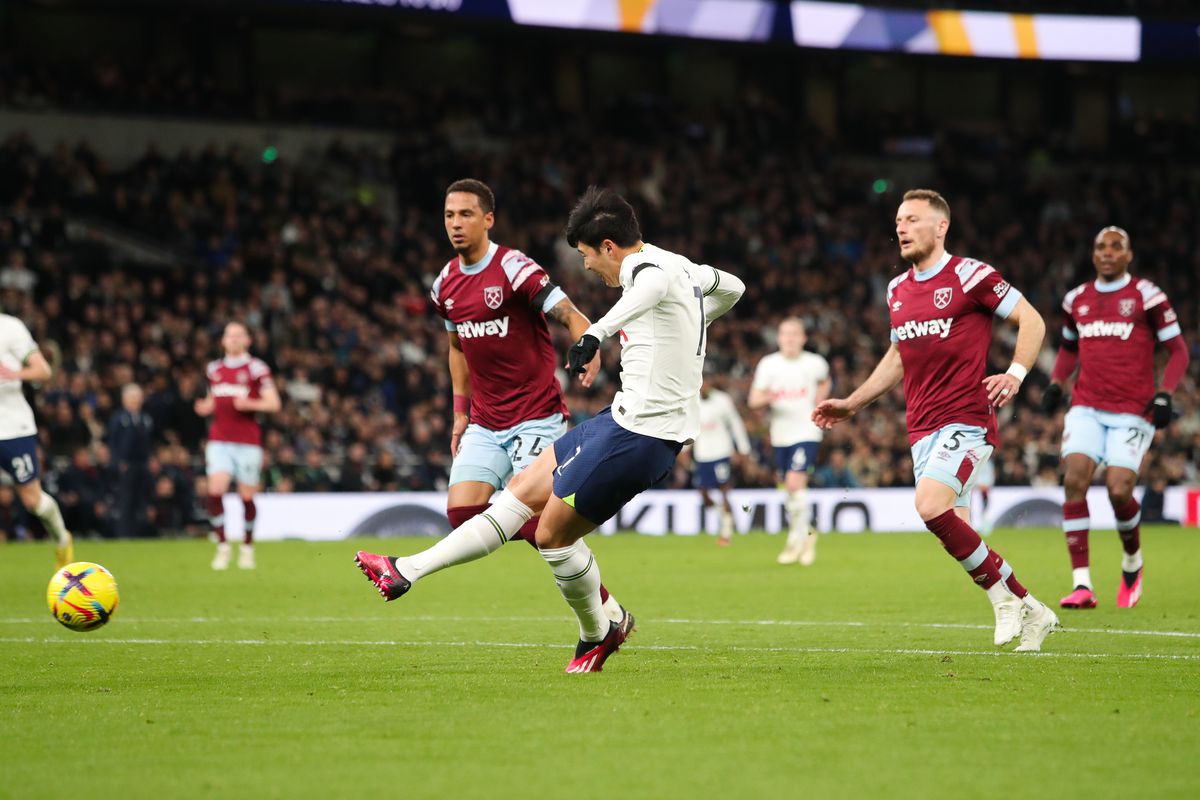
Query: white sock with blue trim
[[578, 577], [481, 535]]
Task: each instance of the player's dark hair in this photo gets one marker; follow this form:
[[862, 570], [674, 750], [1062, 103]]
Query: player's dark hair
[[602, 214], [487, 200], [930, 196]]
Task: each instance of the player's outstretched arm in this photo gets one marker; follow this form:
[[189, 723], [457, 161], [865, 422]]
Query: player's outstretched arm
[[649, 288], [722, 293], [35, 368], [888, 372], [566, 314], [460, 380], [1031, 329]]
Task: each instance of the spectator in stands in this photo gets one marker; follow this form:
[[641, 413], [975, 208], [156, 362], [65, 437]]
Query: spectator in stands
[[131, 439], [835, 473]]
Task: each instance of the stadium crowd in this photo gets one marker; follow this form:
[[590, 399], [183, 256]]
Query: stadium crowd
[[331, 272]]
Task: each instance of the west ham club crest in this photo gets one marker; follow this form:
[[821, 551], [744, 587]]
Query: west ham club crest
[[493, 296], [941, 297], [1125, 306]]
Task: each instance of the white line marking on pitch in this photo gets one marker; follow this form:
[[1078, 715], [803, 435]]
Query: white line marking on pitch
[[559, 646], [669, 621]]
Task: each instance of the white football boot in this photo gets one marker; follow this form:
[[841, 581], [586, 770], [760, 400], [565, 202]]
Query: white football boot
[[1039, 623], [221, 559], [808, 548], [1010, 611], [246, 556]]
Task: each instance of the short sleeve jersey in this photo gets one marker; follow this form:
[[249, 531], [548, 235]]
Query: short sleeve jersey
[[941, 322], [16, 345], [1117, 327], [791, 384], [228, 379], [497, 307]]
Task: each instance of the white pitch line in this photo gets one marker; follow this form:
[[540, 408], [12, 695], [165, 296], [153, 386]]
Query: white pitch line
[[560, 646], [669, 621]]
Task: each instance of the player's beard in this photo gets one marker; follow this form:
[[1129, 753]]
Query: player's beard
[[916, 256]]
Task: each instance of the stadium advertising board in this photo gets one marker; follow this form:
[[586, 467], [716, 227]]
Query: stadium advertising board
[[967, 33], [338, 516], [834, 25]]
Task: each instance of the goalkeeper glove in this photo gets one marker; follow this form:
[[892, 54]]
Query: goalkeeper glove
[[1052, 397], [1159, 409], [582, 353]]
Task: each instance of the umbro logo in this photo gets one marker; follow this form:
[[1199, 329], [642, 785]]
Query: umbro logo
[[449, 303], [896, 305]]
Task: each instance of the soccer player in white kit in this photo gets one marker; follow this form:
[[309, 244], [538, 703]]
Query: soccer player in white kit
[[666, 304], [21, 360], [722, 434], [791, 382]]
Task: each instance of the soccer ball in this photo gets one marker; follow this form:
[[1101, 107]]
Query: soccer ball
[[82, 596]]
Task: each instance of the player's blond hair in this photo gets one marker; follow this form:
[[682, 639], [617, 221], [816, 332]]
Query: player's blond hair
[[934, 199]]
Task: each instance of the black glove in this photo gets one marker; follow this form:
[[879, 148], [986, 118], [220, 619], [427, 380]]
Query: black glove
[[1052, 397], [582, 353], [1159, 409]]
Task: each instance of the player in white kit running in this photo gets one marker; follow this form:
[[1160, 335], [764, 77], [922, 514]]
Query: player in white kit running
[[722, 436], [791, 382], [21, 360]]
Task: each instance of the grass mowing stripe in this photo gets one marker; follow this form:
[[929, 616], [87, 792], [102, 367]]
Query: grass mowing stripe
[[560, 646]]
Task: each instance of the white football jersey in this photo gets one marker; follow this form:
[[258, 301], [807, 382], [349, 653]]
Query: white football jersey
[[666, 304], [721, 429], [791, 384], [16, 345]]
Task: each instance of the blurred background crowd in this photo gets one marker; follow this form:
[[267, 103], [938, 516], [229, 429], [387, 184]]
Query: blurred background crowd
[[328, 256]]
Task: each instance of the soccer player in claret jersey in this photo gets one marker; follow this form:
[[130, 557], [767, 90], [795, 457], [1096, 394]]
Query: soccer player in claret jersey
[[21, 360], [239, 388], [791, 382], [941, 318], [721, 438], [508, 405], [1112, 326], [596, 468]]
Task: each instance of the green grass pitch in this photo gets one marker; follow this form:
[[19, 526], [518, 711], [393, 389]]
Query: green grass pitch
[[869, 674]]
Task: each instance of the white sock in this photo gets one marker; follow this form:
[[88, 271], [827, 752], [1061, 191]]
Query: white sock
[[481, 535], [1131, 563], [797, 508], [1081, 576], [48, 512], [578, 578], [1031, 602], [726, 524], [998, 592], [613, 610]]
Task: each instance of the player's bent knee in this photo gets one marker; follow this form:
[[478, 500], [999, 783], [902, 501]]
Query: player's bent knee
[[30, 494], [933, 499]]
